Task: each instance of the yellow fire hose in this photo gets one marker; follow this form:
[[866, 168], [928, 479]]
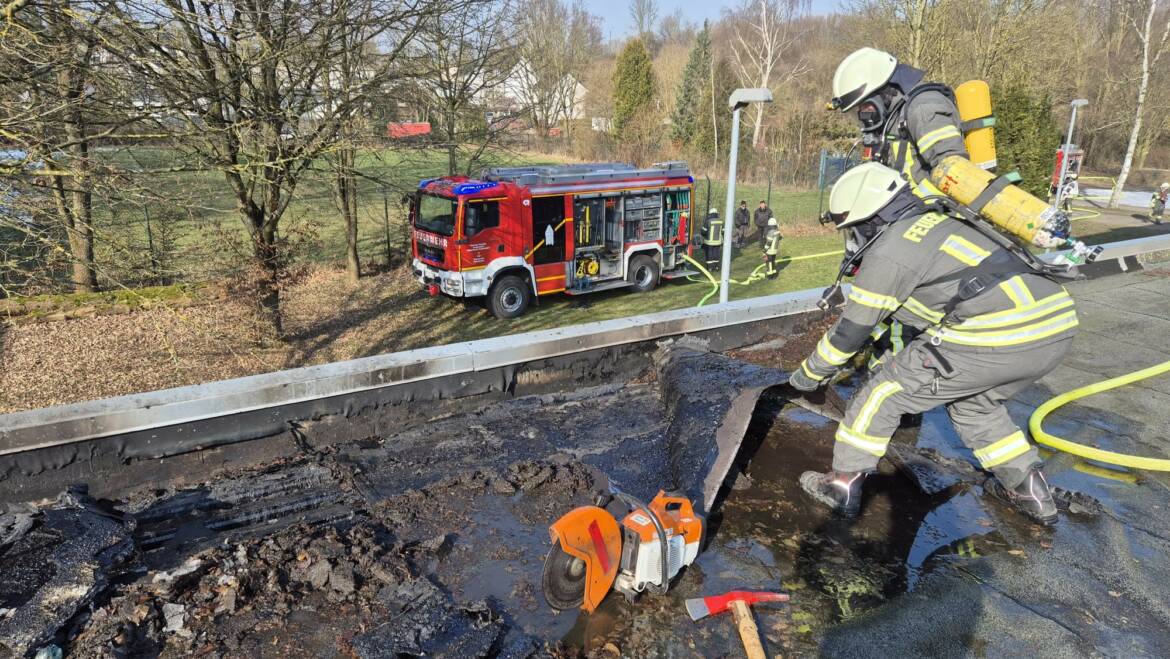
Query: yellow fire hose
[[1036, 423], [755, 276]]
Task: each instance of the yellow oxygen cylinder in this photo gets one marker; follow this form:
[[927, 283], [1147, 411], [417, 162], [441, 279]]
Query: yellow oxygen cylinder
[[974, 101], [1012, 209]]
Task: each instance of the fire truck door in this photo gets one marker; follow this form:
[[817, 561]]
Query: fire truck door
[[482, 236], [548, 230]]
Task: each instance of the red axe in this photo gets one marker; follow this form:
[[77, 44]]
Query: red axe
[[738, 601]]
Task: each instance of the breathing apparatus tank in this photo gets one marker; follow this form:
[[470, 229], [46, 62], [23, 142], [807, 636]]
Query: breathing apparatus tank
[[973, 99], [1008, 207]]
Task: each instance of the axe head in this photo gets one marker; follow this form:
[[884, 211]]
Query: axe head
[[701, 607]]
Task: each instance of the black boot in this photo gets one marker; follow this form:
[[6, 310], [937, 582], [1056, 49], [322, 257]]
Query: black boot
[[838, 490], [1031, 497]]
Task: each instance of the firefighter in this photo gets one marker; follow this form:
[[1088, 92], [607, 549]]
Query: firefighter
[[772, 247], [742, 224], [713, 238], [990, 327], [760, 217], [906, 123], [1158, 202]]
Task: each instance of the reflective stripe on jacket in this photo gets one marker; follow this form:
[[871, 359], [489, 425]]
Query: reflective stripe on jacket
[[913, 274], [772, 242]]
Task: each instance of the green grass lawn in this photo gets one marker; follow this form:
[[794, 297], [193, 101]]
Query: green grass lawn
[[201, 237]]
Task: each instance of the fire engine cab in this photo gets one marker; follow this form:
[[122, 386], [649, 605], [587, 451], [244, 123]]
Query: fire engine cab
[[518, 233]]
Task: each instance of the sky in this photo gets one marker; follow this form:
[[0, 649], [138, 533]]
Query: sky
[[616, 13]]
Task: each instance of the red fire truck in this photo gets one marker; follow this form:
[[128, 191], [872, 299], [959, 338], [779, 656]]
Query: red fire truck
[[518, 233]]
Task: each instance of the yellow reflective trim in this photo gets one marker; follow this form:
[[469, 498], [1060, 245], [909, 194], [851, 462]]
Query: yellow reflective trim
[[964, 250], [871, 299], [921, 310], [827, 352], [1017, 290], [1004, 450], [804, 367], [935, 136], [1026, 313], [873, 403], [1017, 336], [896, 337], [878, 330], [868, 443]]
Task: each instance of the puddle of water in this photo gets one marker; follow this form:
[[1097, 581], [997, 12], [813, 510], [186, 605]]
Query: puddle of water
[[836, 569]]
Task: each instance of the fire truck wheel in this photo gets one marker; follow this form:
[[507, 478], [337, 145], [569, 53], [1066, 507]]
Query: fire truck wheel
[[509, 297], [643, 273]]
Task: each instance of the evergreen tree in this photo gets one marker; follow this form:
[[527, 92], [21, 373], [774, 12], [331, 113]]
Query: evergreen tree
[[633, 85], [711, 113], [687, 111], [1026, 137]]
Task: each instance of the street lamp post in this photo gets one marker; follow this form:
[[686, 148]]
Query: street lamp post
[[740, 99], [1068, 141]]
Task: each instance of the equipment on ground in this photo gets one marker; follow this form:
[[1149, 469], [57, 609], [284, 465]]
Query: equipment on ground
[[1036, 423], [593, 552], [739, 603], [973, 98], [519, 233]]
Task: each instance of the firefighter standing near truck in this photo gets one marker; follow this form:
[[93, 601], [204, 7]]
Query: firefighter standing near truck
[[713, 238], [990, 325], [1158, 202], [772, 247]]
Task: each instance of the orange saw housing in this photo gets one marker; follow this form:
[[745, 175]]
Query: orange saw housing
[[627, 556]]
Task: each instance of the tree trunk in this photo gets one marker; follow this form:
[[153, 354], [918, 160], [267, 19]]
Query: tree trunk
[[1143, 88], [759, 122], [268, 267], [79, 218], [347, 203]]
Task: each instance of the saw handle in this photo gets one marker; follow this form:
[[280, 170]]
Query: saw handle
[[748, 632]]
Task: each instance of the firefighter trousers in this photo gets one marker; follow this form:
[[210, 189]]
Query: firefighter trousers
[[714, 254], [972, 385]]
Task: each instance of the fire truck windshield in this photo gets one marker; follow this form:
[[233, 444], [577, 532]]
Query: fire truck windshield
[[436, 214]]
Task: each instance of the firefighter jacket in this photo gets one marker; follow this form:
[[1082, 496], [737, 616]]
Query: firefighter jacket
[[713, 230], [760, 217], [772, 242], [925, 131], [942, 276]]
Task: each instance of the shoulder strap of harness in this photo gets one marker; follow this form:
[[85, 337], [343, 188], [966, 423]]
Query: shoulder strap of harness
[[916, 92]]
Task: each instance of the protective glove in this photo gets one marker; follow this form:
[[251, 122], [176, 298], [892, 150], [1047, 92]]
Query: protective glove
[[800, 381]]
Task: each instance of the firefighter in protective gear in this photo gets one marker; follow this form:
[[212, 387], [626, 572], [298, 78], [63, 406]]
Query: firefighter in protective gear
[[713, 238], [906, 123], [772, 247], [990, 327], [1158, 203]]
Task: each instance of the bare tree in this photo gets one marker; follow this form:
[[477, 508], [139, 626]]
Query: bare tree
[[765, 52], [239, 87], [557, 40], [462, 61], [1153, 47], [644, 16], [50, 70]]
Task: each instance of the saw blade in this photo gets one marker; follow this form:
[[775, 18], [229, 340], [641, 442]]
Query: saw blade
[[563, 580]]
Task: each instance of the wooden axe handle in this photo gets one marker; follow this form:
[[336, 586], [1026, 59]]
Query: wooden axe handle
[[748, 633]]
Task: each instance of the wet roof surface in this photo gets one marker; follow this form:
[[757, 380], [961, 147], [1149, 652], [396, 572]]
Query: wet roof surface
[[431, 540]]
